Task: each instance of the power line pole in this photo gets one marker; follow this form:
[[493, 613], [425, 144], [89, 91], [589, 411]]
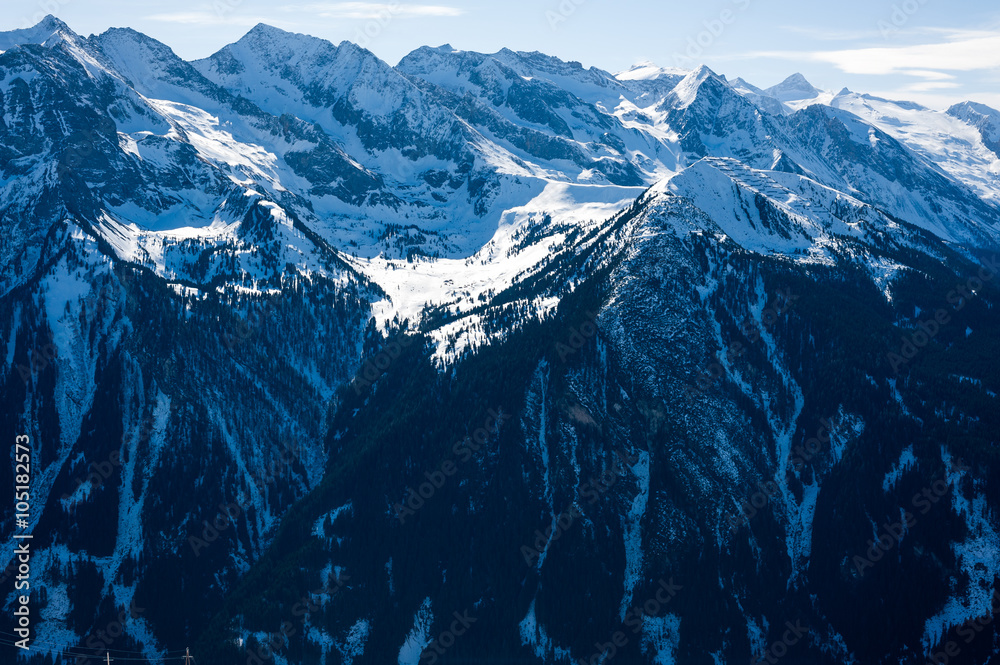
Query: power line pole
[[187, 655], [108, 654]]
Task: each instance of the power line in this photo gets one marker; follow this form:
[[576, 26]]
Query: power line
[[64, 651]]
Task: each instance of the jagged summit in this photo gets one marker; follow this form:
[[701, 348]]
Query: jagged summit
[[704, 71], [982, 108], [129, 39], [792, 89], [50, 30], [646, 70], [262, 29], [264, 33], [984, 118], [278, 47], [759, 98], [689, 88], [740, 83], [970, 109]]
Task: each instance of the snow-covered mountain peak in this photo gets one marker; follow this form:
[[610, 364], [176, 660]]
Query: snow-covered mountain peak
[[302, 57], [277, 44], [135, 55], [47, 32], [542, 62], [740, 84], [703, 72], [492, 71], [590, 84], [431, 62], [970, 107], [138, 46], [525, 80], [277, 49], [649, 83], [957, 142], [759, 98], [687, 90], [792, 89], [984, 118], [285, 72], [265, 31], [646, 71]]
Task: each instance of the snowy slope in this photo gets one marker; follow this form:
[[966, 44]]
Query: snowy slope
[[48, 32], [949, 140], [985, 119], [759, 97]]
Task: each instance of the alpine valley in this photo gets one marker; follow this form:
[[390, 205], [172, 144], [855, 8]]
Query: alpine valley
[[491, 358]]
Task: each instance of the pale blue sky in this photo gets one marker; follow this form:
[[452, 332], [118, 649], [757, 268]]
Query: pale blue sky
[[932, 51]]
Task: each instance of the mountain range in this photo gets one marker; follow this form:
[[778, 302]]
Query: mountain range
[[492, 357]]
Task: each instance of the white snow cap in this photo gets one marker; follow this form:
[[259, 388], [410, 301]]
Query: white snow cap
[[648, 71], [47, 32], [792, 89]]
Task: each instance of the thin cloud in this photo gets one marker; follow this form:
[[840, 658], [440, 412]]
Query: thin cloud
[[928, 74], [965, 51], [927, 86]]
